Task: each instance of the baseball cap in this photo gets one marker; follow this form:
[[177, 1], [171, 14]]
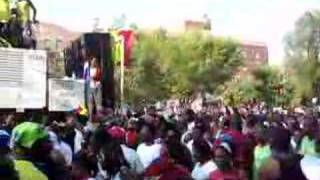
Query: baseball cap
[[4, 139], [117, 132], [27, 133], [226, 147]]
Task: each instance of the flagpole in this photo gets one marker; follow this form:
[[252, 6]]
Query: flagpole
[[122, 75]]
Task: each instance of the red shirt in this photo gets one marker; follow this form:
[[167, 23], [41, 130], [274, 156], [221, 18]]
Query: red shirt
[[238, 140], [131, 138], [98, 75], [227, 175], [175, 172]]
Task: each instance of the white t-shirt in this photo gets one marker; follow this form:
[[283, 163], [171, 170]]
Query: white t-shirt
[[148, 154], [66, 150], [190, 146], [202, 172], [78, 140], [310, 166], [62, 147], [133, 159]]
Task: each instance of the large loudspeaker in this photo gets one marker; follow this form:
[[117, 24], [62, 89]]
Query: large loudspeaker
[[99, 46]]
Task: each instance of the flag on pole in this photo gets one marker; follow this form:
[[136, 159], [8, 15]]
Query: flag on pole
[[128, 38], [117, 47]]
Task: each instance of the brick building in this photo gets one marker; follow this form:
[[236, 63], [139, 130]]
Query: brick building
[[255, 54], [198, 25], [194, 25]]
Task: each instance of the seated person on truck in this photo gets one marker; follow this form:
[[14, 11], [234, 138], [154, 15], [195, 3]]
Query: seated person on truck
[[24, 8], [4, 17]]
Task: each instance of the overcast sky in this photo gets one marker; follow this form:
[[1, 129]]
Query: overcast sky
[[255, 20]]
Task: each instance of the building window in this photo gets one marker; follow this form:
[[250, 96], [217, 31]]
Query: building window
[[258, 56]]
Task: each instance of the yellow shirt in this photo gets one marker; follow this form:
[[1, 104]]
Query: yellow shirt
[[4, 10], [27, 171], [23, 8]]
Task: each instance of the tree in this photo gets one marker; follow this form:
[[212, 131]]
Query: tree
[[266, 83], [273, 86], [180, 65], [304, 42], [302, 54], [238, 91]]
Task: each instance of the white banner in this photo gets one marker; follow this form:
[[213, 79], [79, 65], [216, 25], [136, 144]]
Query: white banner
[[22, 78], [65, 94]]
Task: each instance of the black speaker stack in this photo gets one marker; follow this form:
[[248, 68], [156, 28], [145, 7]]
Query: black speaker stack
[[96, 45]]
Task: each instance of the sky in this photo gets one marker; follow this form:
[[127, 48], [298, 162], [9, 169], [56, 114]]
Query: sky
[[265, 21]]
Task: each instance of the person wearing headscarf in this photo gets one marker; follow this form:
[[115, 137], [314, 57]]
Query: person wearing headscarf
[[223, 154], [118, 134]]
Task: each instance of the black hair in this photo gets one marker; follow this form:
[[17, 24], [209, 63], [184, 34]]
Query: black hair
[[177, 132], [82, 160], [151, 128], [70, 114], [7, 170], [180, 154], [317, 146], [190, 115], [262, 134], [280, 139], [100, 137], [251, 120], [290, 116], [203, 148], [200, 124], [112, 150]]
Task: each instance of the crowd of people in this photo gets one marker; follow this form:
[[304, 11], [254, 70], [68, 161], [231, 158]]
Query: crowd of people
[[215, 143]]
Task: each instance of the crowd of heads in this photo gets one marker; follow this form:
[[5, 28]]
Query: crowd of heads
[[218, 142]]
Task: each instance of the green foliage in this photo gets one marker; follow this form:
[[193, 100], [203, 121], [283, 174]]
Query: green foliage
[[238, 91], [302, 50], [265, 83], [180, 65], [304, 42]]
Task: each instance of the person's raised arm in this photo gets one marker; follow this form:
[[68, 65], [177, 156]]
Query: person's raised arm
[[34, 10]]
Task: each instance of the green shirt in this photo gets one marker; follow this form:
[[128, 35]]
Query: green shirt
[[308, 146], [261, 155]]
